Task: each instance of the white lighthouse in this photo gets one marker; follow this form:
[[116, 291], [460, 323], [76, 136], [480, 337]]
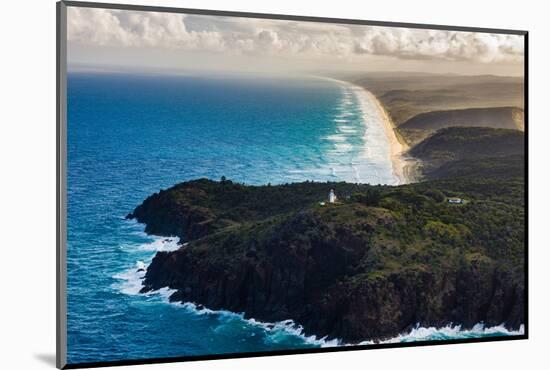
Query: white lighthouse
[[331, 196]]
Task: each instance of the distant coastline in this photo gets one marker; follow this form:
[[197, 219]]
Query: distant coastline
[[404, 168], [276, 232], [401, 167]]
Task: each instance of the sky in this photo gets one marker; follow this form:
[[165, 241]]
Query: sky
[[108, 38]]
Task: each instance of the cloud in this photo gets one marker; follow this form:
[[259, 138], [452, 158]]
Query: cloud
[[448, 45], [117, 28], [134, 29]]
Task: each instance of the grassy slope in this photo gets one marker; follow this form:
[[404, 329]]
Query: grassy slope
[[406, 96], [471, 152], [499, 117], [422, 125]]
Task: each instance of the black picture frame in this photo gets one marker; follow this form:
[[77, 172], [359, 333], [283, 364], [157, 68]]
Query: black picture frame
[[61, 195]]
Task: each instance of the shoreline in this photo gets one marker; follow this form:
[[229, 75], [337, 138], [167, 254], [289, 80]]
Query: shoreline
[[132, 280], [397, 147], [404, 168], [195, 304]]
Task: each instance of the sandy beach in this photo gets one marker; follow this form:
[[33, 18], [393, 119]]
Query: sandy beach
[[397, 148], [403, 167]]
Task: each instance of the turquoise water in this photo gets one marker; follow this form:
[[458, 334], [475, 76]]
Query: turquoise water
[[129, 136]]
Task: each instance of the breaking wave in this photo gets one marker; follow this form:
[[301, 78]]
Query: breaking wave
[[359, 151], [129, 282], [479, 330]]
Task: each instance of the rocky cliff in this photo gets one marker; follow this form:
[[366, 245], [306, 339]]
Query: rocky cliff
[[372, 266]]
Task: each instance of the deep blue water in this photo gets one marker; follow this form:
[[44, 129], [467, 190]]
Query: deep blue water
[[129, 136]]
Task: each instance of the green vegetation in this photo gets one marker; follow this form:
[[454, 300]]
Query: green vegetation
[[404, 227], [383, 258], [500, 117], [391, 257], [408, 94], [420, 103], [474, 152], [422, 125]]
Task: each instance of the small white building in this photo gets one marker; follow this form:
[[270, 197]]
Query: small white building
[[331, 196], [455, 200]]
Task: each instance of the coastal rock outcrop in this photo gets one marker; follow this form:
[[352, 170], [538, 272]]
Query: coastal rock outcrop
[[370, 267]]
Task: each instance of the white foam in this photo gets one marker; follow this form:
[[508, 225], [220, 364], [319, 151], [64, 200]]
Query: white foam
[[343, 147], [344, 114], [164, 293], [347, 129], [161, 244], [336, 137], [289, 327], [451, 332], [275, 332], [130, 281], [370, 163]]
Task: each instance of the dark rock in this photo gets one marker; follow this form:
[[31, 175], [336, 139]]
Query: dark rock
[[347, 271]]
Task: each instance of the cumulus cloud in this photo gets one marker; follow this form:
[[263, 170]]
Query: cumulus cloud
[[118, 28], [133, 29], [449, 45]]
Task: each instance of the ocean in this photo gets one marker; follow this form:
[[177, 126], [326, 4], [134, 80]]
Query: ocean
[[132, 135]]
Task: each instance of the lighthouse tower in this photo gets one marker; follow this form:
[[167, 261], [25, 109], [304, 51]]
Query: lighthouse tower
[[331, 196]]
